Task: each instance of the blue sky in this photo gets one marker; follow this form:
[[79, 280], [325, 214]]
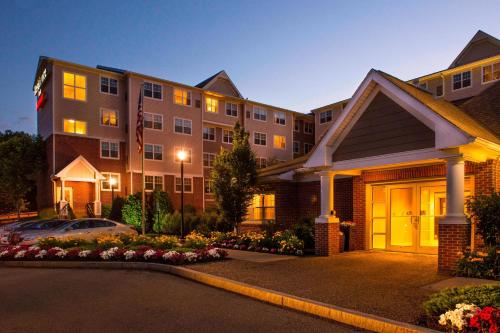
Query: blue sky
[[293, 54]]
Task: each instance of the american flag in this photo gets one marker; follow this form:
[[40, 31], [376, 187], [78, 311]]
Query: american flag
[[140, 122]]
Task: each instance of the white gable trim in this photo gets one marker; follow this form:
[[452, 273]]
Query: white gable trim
[[63, 174], [447, 135], [223, 75]]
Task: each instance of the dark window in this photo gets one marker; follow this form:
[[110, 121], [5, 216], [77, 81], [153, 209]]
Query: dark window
[[439, 90]]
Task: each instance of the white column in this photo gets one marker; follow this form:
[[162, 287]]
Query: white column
[[327, 198], [97, 198], [455, 179]]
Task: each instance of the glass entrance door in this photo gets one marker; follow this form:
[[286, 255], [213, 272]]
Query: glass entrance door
[[402, 217]]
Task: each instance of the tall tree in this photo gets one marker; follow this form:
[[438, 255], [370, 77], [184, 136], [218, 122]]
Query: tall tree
[[233, 177], [22, 157]]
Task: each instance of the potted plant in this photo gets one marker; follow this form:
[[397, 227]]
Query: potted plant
[[345, 228]]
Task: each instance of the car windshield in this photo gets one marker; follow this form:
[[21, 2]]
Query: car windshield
[[44, 225], [63, 225], [27, 226]]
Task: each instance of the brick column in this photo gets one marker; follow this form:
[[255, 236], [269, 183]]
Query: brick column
[[327, 238], [453, 238]]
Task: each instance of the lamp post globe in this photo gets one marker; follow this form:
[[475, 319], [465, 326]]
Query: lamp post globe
[[181, 156]]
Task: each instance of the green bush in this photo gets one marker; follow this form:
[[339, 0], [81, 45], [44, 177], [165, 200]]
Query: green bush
[[47, 213], [304, 230], [445, 300], [479, 264], [485, 212], [196, 241], [116, 209], [132, 210], [168, 224], [105, 210], [62, 242], [166, 242]]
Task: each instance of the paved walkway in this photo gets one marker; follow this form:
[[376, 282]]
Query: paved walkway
[[257, 256], [388, 284], [79, 300]]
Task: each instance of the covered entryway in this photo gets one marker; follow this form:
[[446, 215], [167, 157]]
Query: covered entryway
[[77, 186]]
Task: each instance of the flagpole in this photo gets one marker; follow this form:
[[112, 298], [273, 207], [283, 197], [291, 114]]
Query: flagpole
[[143, 192]]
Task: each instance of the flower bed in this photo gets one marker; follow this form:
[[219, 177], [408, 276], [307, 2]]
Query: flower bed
[[483, 264], [466, 309], [142, 253]]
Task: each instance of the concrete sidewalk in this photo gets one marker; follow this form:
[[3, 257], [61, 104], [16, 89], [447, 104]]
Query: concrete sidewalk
[[257, 257]]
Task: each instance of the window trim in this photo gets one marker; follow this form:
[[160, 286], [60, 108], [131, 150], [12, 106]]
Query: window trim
[[114, 174], [73, 133], [154, 182], [237, 109], [108, 93], [304, 129], [482, 73], [185, 149], [298, 145], [117, 118], [277, 135], [153, 159], [183, 119], [109, 141], [62, 87], [327, 121], [203, 159], [307, 144], [253, 134], [184, 185], [276, 118], [223, 136], [152, 91], [259, 162], [211, 193], [153, 122], [295, 121], [215, 133], [461, 80], [186, 90], [253, 113]]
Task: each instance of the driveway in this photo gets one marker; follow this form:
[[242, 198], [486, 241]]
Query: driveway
[[78, 300], [388, 284]]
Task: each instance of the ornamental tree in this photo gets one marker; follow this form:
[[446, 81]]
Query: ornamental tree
[[234, 177], [22, 157]]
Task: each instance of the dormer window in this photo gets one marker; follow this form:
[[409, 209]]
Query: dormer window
[[325, 116], [491, 72], [462, 80]]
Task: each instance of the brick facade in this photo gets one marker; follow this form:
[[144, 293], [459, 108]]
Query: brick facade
[[453, 239], [327, 239]]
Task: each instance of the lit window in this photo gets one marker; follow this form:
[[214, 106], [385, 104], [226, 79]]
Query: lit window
[[325, 116], [109, 85], [182, 97], [260, 139], [209, 133], [188, 155], [296, 147], [188, 185], [279, 142], [75, 86], [296, 125], [262, 208], [261, 162], [106, 184], [208, 186], [259, 113], [153, 152], [75, 126], [152, 90], [308, 128], [208, 160], [182, 126], [110, 149], [212, 105], [491, 72], [109, 117], [461, 80], [231, 109], [307, 147], [280, 118], [153, 183], [153, 121], [227, 136]]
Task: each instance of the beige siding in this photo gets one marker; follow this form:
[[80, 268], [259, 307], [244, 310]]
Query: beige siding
[[479, 50], [384, 128], [223, 86]]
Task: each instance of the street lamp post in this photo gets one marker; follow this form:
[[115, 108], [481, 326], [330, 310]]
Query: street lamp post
[[112, 183], [181, 155]]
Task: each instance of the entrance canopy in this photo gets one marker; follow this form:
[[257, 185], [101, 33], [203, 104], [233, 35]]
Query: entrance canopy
[[80, 170]]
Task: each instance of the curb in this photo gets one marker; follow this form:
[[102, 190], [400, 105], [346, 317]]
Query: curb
[[342, 315]]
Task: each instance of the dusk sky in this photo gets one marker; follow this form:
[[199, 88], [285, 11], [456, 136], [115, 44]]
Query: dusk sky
[[294, 54]]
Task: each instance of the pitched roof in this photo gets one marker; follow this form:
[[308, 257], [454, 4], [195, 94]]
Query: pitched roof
[[478, 37], [211, 84], [453, 114], [485, 108], [203, 83], [280, 168]]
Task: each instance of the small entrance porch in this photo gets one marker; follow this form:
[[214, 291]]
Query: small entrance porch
[[77, 187]]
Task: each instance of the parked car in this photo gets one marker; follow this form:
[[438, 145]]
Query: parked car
[[6, 229], [34, 230], [86, 228]]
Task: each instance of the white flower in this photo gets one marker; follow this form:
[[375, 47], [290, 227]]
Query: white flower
[[20, 254], [299, 252], [3, 253], [41, 254], [84, 253], [57, 248], [236, 246], [457, 318], [169, 255], [33, 248], [61, 254], [130, 254], [213, 253], [108, 254], [190, 256], [149, 253]]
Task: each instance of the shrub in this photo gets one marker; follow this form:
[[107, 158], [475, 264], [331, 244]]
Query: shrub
[[304, 230], [47, 213], [62, 242], [196, 241], [108, 241], [166, 242], [485, 212], [168, 224], [132, 210], [105, 210], [116, 209], [480, 264], [446, 300]]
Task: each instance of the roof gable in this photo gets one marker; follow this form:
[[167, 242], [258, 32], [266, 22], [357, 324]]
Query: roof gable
[[481, 46], [222, 83], [80, 170]]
